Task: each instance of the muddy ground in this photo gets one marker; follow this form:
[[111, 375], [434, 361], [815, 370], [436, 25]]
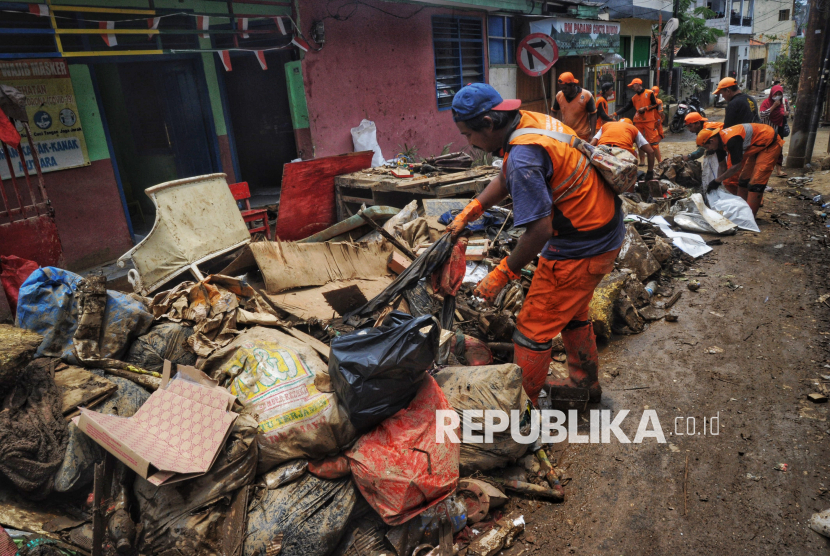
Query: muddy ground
[[705, 493]]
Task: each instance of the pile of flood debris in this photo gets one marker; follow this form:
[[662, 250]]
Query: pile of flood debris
[[288, 403]]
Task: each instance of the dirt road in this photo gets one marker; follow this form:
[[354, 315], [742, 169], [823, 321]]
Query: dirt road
[[705, 493]]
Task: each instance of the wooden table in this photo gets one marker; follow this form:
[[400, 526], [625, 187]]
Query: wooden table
[[358, 188]]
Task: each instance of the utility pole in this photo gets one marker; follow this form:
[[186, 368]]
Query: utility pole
[[815, 116], [675, 11], [659, 45], [808, 85]]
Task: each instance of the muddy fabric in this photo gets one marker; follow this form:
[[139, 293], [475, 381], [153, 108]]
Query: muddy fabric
[[33, 432], [78, 467], [190, 518], [311, 513]]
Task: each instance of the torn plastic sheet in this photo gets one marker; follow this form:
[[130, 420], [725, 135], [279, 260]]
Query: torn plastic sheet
[[475, 272], [692, 244]]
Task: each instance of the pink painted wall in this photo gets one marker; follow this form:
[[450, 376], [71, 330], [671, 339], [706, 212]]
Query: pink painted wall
[[381, 68]]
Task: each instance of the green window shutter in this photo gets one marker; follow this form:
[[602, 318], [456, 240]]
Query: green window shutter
[[642, 45]]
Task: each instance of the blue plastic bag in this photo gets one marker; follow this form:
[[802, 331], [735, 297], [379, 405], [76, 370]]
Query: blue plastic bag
[[47, 304]]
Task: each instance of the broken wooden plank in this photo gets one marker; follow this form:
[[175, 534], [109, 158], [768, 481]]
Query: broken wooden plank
[[80, 387], [447, 179]]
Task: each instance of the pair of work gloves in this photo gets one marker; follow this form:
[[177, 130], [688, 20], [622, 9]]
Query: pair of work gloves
[[489, 288]]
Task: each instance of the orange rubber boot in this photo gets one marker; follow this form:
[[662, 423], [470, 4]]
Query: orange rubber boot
[[583, 361], [535, 365]]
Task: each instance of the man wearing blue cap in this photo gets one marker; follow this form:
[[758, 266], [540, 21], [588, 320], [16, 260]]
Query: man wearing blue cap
[[570, 215]]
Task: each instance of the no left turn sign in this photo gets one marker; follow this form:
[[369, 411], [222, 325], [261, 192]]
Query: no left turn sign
[[537, 54]]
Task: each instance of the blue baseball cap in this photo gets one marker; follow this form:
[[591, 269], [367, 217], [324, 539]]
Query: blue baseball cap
[[477, 98]]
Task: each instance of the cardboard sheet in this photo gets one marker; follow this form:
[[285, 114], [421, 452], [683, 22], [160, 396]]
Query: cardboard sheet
[[310, 303], [175, 435], [287, 265]]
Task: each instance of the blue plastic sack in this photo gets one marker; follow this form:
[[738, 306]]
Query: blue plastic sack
[[487, 220], [48, 305]]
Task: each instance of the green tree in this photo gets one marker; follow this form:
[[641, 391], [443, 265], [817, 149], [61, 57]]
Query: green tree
[[692, 30], [787, 67]]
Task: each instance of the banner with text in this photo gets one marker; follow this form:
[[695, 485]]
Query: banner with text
[[580, 37], [53, 116]]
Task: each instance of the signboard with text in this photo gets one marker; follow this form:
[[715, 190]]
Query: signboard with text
[[580, 37], [53, 116]]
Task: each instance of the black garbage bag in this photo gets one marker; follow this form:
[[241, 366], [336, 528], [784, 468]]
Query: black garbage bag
[[377, 371], [427, 263]]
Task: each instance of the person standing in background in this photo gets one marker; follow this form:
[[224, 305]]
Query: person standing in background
[[774, 112]]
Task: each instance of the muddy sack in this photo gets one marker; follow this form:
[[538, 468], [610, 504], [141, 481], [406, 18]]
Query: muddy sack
[[82, 453], [377, 371], [286, 385], [492, 387], [310, 513], [205, 515], [166, 340], [48, 305], [399, 467]]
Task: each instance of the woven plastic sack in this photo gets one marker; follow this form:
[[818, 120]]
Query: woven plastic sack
[[399, 467]]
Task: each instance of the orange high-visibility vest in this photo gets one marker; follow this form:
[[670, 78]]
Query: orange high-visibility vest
[[581, 200], [756, 137], [575, 113], [620, 134], [641, 100]]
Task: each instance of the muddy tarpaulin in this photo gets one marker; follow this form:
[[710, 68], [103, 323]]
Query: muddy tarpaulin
[[203, 516], [33, 432], [311, 514], [48, 305]]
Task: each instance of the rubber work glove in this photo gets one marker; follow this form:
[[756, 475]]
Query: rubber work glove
[[471, 213], [714, 184], [489, 288]]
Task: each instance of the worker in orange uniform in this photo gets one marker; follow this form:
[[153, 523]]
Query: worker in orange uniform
[[575, 107], [644, 102], [603, 116], [696, 123], [659, 123], [752, 151], [571, 217], [624, 135]]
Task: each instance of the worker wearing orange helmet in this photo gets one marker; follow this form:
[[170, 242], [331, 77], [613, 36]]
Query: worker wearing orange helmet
[[752, 151], [570, 216], [625, 135], [602, 104], [644, 101], [575, 107]]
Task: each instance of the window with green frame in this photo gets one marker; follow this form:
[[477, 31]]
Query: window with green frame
[[458, 44], [501, 40]]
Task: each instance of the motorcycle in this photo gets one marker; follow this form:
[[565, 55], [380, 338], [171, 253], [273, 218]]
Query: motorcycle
[[689, 105]]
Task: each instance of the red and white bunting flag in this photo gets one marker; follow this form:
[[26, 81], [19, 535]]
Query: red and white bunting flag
[[109, 39], [202, 23], [243, 25], [280, 25], [152, 23], [225, 56], [300, 43], [260, 56], [39, 9]]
